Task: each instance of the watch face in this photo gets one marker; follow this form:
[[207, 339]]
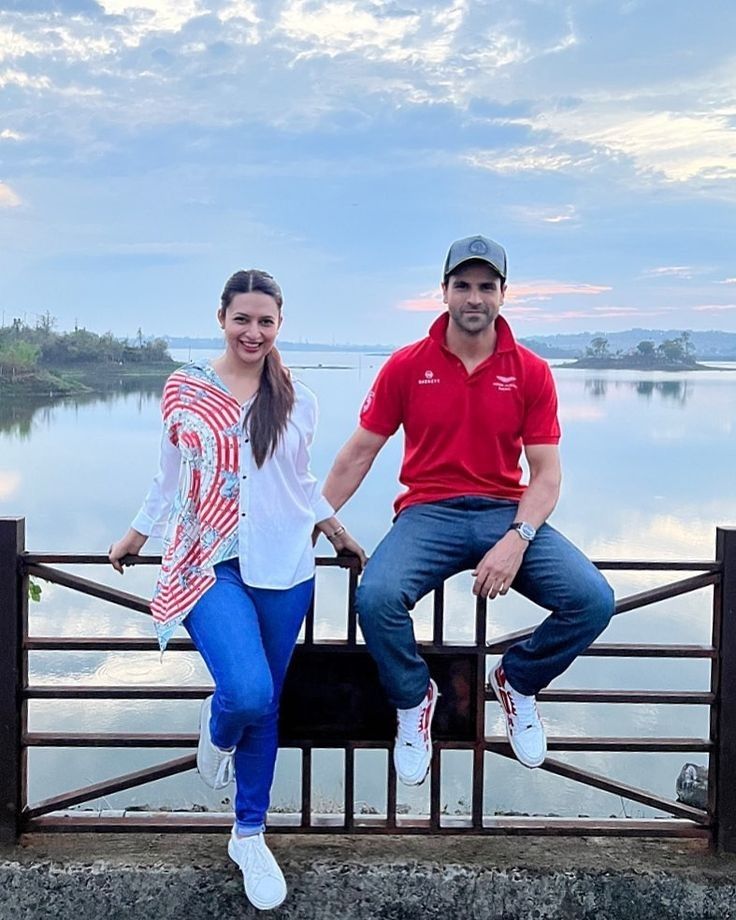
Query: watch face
[[526, 531]]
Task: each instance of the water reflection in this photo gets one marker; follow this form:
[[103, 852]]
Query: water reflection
[[673, 390], [19, 413]]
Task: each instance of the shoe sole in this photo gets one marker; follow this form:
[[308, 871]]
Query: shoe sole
[[497, 691], [259, 905], [418, 782]]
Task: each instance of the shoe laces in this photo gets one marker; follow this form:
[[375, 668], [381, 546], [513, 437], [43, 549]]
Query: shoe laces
[[255, 857], [525, 709], [225, 769], [412, 727]]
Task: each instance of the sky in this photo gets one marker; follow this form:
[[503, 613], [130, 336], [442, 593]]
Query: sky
[[150, 149]]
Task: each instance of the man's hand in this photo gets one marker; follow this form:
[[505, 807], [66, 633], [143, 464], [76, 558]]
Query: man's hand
[[497, 569]]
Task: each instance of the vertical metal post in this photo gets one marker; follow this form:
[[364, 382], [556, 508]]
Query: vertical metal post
[[724, 775], [13, 613]]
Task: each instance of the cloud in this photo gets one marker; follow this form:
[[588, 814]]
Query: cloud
[[8, 135], [675, 271], [527, 159], [428, 301], [8, 198], [543, 290], [714, 307], [727, 281]]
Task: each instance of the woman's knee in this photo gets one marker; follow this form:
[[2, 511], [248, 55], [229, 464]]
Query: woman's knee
[[248, 702]]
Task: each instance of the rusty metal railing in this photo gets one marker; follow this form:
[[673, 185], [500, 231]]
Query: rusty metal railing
[[332, 699]]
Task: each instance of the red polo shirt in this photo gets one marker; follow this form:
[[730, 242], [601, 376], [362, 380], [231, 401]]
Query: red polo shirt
[[463, 432]]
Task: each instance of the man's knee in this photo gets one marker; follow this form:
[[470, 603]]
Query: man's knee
[[377, 599], [600, 605]]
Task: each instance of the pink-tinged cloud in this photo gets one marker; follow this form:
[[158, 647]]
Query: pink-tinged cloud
[[424, 302], [524, 292], [543, 290], [714, 307]]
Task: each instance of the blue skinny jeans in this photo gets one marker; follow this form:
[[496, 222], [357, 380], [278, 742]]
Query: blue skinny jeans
[[430, 542], [246, 637]]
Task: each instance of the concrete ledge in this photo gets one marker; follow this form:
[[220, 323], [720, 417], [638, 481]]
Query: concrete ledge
[[167, 877]]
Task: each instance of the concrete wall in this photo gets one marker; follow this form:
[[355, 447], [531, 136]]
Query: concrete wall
[[157, 877]]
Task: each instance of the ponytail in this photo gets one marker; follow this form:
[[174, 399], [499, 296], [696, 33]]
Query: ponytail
[[269, 413]]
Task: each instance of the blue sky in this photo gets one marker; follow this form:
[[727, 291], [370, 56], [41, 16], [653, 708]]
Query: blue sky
[[149, 149]]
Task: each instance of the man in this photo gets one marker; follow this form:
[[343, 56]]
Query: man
[[470, 400]]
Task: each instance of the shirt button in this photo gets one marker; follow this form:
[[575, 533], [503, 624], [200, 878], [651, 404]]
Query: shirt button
[[244, 476], [246, 440], [242, 514]]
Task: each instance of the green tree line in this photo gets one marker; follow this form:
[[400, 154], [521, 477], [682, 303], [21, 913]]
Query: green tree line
[[25, 349], [671, 351]]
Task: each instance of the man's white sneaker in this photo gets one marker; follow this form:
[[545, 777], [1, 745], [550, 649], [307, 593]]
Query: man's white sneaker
[[215, 765], [523, 726], [263, 880], [413, 745]]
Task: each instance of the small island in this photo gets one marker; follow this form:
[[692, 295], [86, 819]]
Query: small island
[[39, 360], [670, 355]]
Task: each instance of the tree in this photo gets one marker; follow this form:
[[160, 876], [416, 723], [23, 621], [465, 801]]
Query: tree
[[598, 347], [646, 348], [672, 351]]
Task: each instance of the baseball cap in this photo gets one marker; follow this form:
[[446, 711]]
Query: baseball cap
[[475, 247]]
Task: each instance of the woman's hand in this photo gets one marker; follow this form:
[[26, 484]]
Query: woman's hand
[[129, 545], [345, 543]]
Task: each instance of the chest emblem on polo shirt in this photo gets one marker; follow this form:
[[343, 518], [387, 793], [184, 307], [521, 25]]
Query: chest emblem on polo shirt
[[429, 377], [504, 384]]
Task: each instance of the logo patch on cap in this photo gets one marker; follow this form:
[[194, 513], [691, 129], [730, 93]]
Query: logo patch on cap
[[478, 248]]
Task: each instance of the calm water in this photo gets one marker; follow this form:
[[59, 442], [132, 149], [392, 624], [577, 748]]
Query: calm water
[[648, 464]]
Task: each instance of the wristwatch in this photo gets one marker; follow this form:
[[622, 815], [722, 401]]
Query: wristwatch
[[525, 531]]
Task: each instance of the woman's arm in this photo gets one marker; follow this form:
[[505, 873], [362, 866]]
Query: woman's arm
[[153, 515]]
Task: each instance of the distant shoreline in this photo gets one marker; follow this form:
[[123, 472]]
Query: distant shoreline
[[622, 364]]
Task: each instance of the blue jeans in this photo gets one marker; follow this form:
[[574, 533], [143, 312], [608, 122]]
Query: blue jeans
[[430, 542], [246, 637]]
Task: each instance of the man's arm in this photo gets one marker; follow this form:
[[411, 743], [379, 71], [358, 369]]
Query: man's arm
[[352, 462], [498, 568]]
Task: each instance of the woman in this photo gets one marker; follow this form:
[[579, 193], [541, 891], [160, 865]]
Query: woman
[[237, 506]]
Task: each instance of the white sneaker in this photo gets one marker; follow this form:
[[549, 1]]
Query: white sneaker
[[263, 880], [523, 726], [413, 745], [214, 764]]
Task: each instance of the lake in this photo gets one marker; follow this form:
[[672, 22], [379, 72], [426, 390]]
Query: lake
[[648, 464]]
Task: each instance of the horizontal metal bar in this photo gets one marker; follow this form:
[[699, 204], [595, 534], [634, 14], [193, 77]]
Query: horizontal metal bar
[[664, 697], [493, 743], [111, 644], [605, 784], [28, 559], [95, 692], [91, 588], [664, 565], [408, 825], [499, 743], [111, 786], [625, 650]]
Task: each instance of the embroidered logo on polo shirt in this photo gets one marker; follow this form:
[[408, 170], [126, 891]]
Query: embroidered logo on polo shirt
[[504, 384], [367, 402], [429, 377]]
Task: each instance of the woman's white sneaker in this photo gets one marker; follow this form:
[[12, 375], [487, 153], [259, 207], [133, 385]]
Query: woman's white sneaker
[[214, 764], [413, 745], [263, 880], [524, 728]]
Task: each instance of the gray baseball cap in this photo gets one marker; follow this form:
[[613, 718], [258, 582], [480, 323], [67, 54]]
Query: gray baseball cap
[[475, 247]]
